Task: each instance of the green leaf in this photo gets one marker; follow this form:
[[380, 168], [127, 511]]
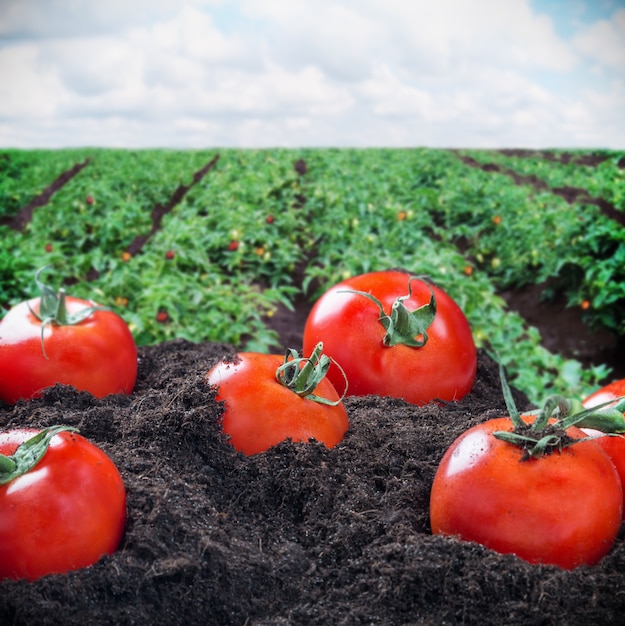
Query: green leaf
[[509, 400]]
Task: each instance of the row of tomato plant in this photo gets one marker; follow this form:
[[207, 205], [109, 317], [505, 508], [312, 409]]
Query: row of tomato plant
[[576, 243], [196, 277], [26, 173], [604, 179], [224, 256]]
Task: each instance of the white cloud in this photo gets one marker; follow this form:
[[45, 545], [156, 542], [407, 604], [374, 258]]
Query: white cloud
[[27, 89], [604, 42], [71, 18], [296, 72]]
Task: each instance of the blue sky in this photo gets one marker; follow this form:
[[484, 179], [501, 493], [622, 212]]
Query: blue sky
[[295, 73]]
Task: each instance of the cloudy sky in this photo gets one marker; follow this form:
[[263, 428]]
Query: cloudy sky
[[295, 73]]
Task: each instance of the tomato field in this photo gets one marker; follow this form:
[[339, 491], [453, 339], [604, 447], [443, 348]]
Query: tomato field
[[216, 258], [209, 245]]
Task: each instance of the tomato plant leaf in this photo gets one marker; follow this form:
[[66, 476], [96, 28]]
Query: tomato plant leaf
[[28, 454], [508, 399]]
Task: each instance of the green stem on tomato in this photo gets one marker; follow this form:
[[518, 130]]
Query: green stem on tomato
[[302, 374], [28, 454], [403, 326], [515, 416], [540, 437], [53, 309]]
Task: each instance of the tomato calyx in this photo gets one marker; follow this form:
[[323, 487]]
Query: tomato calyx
[[403, 326], [28, 454], [53, 309], [302, 374], [542, 436]]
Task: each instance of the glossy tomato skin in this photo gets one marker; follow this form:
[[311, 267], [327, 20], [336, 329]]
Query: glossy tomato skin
[[98, 355], [348, 325], [562, 509], [612, 391], [65, 513], [614, 446], [260, 412]]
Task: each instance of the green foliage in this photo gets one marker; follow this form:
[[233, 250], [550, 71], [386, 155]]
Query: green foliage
[[541, 235], [234, 244]]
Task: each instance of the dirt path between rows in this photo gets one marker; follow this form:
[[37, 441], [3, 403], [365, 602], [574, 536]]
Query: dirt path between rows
[[570, 194], [20, 220]]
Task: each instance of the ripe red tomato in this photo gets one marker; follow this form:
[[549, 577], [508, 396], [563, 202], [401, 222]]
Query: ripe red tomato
[[613, 445], [260, 412], [62, 515], [90, 349], [352, 333], [613, 391], [563, 508]]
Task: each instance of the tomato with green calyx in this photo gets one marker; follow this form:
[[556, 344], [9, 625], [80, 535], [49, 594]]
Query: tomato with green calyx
[[269, 398], [395, 335], [613, 444], [533, 486], [57, 338], [62, 503]]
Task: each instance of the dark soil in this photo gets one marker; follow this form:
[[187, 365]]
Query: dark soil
[[298, 535], [564, 331]]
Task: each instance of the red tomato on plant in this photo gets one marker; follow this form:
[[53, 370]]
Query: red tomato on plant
[[269, 398], [394, 335], [61, 512], [60, 339], [530, 489], [613, 445]]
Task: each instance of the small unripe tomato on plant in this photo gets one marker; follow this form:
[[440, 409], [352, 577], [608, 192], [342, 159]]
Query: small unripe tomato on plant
[[62, 503], [269, 398]]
